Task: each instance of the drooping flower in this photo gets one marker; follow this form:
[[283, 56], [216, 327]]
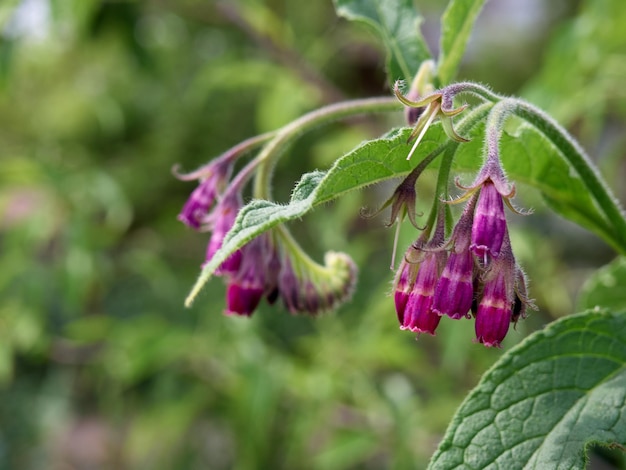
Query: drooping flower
[[405, 279], [489, 222], [495, 307], [416, 280], [455, 288], [418, 313], [306, 286], [212, 181], [252, 281], [455, 292]]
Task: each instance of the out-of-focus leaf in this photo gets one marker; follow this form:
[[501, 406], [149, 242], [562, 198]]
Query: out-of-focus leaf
[[457, 23], [531, 159], [546, 400], [6, 11], [397, 22], [528, 157], [605, 288], [348, 449]]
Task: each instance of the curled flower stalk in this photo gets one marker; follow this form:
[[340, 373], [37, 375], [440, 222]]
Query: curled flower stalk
[[307, 287]]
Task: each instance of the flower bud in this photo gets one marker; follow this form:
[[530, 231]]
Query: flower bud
[[213, 179], [418, 314]]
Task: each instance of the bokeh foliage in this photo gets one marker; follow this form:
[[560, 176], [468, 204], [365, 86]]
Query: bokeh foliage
[[101, 365]]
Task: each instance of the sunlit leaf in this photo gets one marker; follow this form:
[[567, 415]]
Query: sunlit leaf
[[456, 26], [546, 400], [397, 22]]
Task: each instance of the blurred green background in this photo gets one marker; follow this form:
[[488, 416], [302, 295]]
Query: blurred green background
[[102, 367]]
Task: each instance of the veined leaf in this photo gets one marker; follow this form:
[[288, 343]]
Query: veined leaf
[[545, 400], [397, 22], [456, 25]]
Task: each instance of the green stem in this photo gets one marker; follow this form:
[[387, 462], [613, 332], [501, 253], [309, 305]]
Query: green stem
[[449, 92], [298, 256], [229, 155], [466, 124], [274, 148]]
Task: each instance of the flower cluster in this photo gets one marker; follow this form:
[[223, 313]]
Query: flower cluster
[[473, 273], [269, 266]]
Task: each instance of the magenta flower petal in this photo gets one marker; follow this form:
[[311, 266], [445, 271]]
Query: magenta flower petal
[[489, 223], [494, 310], [243, 298], [418, 315], [403, 286], [212, 182], [455, 291]]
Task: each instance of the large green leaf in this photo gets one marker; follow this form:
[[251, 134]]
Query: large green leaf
[[456, 25], [545, 400], [606, 287], [530, 158], [397, 22]]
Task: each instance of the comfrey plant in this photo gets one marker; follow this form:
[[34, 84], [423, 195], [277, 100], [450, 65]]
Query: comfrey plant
[[547, 398]]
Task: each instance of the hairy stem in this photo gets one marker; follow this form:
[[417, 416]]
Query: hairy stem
[[274, 148]]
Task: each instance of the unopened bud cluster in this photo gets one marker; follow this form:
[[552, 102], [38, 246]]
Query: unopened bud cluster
[[264, 267]]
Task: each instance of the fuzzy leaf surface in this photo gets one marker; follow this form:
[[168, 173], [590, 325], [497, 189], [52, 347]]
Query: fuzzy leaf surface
[[457, 23], [545, 400], [398, 23]]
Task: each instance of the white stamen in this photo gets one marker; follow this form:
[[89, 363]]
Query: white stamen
[[395, 244], [424, 129]]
